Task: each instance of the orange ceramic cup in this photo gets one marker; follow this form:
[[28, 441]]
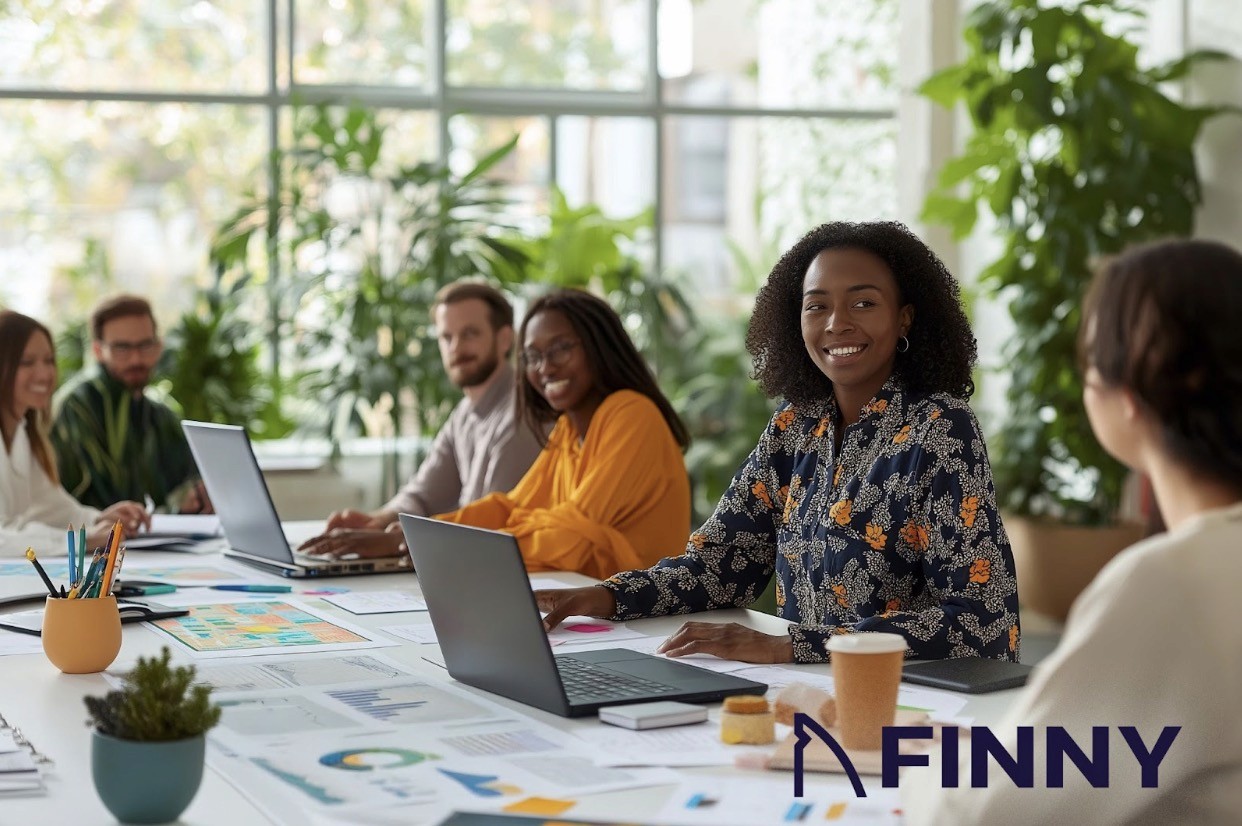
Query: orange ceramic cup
[[81, 636]]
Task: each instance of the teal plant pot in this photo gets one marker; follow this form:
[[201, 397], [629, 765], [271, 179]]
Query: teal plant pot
[[146, 782]]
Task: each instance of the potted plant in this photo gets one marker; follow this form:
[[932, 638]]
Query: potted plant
[[1078, 152], [149, 740]]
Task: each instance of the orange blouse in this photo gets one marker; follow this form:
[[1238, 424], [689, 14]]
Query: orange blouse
[[616, 501]]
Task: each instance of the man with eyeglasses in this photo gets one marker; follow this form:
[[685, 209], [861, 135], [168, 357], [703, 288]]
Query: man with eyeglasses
[[114, 441]]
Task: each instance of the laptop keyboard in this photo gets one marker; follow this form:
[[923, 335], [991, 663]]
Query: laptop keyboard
[[585, 681]]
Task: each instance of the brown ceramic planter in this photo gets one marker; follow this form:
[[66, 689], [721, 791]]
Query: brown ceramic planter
[[1055, 562]]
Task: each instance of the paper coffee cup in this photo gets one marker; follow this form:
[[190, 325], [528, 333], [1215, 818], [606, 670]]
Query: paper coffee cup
[[866, 669]]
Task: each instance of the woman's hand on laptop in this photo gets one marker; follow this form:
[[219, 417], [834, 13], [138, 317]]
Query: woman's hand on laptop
[[344, 543], [729, 641], [591, 601]]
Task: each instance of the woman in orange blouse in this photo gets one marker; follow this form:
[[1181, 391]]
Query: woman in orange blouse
[[609, 492]]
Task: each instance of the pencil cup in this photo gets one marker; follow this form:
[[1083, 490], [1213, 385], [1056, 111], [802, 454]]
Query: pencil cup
[[81, 636]]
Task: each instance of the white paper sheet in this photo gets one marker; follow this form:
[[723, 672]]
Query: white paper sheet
[[422, 633], [576, 631], [196, 526], [693, 745], [12, 642], [543, 583], [939, 705], [377, 602]]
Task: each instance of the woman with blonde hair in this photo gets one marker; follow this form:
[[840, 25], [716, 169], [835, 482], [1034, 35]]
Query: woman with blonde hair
[[34, 508]]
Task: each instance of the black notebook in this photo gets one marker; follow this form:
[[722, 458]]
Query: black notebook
[[972, 675]]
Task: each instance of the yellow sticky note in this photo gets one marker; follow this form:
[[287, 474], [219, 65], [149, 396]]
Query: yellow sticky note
[[545, 806]]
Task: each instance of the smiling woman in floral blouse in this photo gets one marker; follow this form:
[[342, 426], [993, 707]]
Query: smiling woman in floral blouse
[[869, 494]]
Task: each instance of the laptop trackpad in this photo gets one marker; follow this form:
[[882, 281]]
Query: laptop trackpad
[[647, 667]]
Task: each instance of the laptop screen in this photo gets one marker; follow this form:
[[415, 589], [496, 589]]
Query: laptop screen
[[238, 492], [479, 597]]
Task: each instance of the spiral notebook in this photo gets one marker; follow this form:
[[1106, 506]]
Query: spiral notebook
[[22, 766]]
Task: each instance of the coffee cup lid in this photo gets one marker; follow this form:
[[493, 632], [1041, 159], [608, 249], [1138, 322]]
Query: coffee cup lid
[[867, 642]]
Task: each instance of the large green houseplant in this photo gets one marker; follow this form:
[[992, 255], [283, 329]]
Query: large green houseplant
[[1078, 151], [365, 243]]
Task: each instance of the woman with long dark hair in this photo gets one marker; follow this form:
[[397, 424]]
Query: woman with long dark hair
[[609, 491], [34, 508]]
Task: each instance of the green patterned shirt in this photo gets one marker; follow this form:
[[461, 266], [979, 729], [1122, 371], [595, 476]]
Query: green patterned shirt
[[112, 446]]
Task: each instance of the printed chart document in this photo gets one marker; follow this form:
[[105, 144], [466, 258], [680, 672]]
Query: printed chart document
[[769, 799], [377, 602], [340, 751], [292, 671], [185, 575], [249, 628]]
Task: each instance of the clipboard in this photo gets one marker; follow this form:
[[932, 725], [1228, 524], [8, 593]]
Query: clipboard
[[31, 622]]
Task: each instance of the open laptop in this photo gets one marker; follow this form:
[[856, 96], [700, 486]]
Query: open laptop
[[492, 637], [247, 515]]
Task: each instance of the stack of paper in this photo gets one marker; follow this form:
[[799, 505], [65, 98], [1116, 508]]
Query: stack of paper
[[19, 773]]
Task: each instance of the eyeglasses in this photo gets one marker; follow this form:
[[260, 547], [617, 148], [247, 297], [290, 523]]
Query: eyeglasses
[[554, 356], [128, 348]]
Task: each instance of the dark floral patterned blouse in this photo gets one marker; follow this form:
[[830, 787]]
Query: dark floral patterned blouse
[[898, 533]]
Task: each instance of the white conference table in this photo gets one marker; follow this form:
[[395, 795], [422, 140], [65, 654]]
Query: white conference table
[[47, 706]]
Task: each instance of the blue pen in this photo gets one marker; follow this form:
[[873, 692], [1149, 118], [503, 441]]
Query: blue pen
[[255, 589], [69, 542]]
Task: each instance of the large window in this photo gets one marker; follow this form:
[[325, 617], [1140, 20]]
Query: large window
[[130, 130]]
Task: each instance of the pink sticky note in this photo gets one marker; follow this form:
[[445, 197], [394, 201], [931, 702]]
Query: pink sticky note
[[588, 628]]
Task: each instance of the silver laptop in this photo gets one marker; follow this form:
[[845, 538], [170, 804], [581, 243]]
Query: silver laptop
[[491, 634], [242, 501]]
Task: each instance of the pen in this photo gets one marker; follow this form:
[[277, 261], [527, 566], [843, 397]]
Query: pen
[[51, 589], [255, 589], [69, 537], [114, 543]]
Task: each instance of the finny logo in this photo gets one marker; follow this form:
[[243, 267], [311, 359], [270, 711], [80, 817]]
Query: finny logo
[[985, 748]]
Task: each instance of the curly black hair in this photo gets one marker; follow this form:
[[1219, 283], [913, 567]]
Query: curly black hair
[[942, 348]]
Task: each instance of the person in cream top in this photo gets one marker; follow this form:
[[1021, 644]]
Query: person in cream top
[[34, 508], [1152, 643]]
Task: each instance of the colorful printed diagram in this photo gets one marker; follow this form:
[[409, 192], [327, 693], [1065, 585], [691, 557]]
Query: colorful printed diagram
[[365, 760], [241, 625], [481, 785]]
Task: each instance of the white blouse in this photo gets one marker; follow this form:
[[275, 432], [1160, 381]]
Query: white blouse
[[34, 510]]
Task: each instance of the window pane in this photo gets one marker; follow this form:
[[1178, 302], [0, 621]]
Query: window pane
[[563, 44], [135, 45], [779, 53], [100, 196], [525, 170], [609, 162], [352, 41], [739, 191]]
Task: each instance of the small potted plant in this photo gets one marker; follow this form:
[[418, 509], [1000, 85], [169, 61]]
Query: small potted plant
[[149, 741]]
